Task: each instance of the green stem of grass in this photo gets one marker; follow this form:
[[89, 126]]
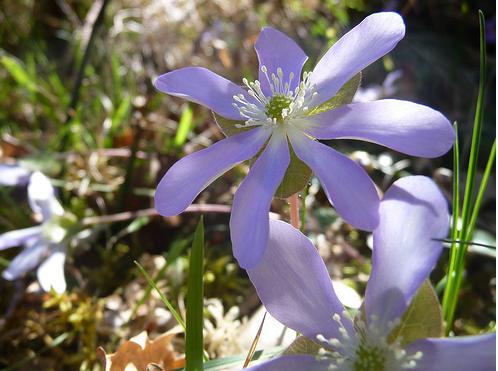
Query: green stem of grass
[[194, 343], [449, 284], [469, 212], [163, 298]]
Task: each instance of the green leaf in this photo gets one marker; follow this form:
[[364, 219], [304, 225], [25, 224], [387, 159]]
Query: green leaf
[[184, 126], [296, 177], [344, 96], [302, 345], [194, 346], [423, 317]]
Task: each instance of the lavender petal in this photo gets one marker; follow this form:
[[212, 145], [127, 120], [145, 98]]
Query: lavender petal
[[413, 213], [251, 203], [29, 258], [288, 56], [294, 284], [374, 37], [291, 363], [347, 185], [189, 176], [463, 353], [18, 237], [200, 85], [406, 127]]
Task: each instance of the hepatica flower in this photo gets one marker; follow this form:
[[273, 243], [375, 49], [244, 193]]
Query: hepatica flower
[[294, 285], [282, 114], [43, 243]]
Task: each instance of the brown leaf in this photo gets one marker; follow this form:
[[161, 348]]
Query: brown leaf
[[141, 354]]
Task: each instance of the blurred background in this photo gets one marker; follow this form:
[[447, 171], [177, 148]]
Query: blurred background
[[77, 103]]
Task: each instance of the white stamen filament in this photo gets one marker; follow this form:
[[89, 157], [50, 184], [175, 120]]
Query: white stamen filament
[[256, 112]]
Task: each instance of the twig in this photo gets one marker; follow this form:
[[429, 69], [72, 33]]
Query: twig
[[119, 217], [94, 20]]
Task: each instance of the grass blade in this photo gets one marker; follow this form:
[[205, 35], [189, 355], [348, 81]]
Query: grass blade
[[175, 251], [194, 347], [235, 362], [480, 193], [476, 133], [455, 216], [161, 295], [455, 271]]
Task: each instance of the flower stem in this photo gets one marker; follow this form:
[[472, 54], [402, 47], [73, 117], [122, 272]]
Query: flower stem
[[294, 210]]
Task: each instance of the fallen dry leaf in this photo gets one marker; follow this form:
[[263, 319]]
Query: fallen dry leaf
[[141, 354]]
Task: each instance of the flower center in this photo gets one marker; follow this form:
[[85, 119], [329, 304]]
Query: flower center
[[283, 106], [277, 107], [369, 359], [367, 349]]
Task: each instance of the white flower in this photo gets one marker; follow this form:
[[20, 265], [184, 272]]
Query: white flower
[[43, 243]]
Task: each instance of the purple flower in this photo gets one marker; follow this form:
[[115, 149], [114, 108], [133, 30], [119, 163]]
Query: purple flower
[[293, 284], [284, 108], [42, 243]]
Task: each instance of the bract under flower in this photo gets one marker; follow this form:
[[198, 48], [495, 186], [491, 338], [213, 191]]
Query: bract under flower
[[286, 106]]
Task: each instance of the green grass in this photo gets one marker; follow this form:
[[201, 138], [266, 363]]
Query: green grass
[[194, 344], [471, 206]]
